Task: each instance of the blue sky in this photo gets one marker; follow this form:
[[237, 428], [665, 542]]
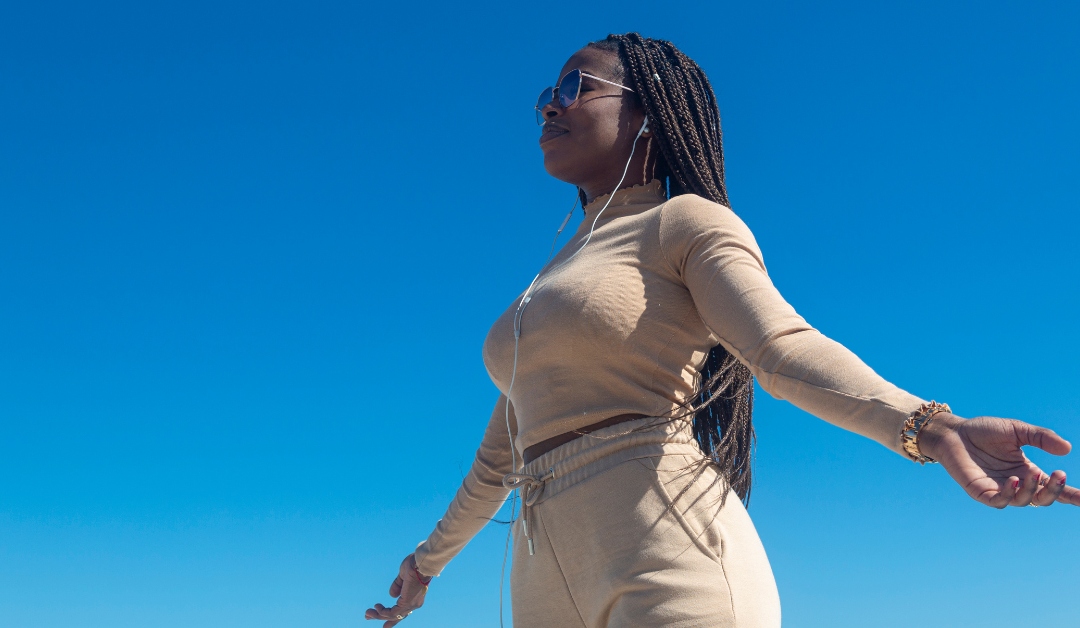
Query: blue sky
[[249, 252]]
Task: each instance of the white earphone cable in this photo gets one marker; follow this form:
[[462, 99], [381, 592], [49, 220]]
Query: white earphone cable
[[517, 334], [513, 456]]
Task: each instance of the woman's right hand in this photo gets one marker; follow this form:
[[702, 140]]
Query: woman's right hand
[[409, 590]]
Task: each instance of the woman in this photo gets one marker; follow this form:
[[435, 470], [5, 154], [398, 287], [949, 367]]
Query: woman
[[628, 364]]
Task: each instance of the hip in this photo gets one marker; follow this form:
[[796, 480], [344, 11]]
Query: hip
[[629, 525]]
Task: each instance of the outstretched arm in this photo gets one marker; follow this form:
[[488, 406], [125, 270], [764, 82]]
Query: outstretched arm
[[718, 260]]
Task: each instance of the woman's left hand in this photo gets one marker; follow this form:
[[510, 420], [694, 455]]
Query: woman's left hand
[[983, 455], [409, 590]]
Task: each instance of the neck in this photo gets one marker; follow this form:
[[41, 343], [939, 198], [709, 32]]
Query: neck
[[642, 194]]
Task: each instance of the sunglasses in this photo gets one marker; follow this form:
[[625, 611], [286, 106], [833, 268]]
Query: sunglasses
[[567, 91]]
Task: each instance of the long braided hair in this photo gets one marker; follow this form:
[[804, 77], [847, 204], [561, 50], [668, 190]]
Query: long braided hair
[[685, 121]]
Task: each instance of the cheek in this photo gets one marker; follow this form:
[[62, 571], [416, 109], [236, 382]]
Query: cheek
[[600, 128], [594, 139]]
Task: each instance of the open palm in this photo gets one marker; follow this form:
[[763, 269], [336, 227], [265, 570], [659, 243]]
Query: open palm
[[984, 456]]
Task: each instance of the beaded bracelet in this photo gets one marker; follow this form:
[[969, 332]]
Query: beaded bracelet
[[909, 435]]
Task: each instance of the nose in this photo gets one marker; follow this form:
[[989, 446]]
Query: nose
[[551, 110]]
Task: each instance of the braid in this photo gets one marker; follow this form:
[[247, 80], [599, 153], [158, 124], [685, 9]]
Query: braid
[[685, 119]]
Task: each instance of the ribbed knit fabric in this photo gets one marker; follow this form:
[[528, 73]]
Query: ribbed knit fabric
[[627, 530], [625, 326]]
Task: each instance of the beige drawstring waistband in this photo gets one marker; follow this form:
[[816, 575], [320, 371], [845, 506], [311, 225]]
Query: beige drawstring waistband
[[581, 458], [532, 487]]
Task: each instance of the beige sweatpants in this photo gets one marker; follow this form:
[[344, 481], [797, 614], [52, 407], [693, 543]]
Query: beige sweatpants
[[609, 551]]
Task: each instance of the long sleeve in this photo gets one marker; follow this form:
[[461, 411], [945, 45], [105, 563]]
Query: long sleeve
[[718, 260], [479, 498]]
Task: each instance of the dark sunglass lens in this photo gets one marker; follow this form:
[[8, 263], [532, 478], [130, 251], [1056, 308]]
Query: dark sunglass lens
[[569, 88], [541, 102]]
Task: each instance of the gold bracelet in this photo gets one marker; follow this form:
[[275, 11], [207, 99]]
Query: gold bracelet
[[909, 435]]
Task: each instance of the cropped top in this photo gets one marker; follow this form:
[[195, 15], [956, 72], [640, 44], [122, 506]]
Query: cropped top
[[625, 326]]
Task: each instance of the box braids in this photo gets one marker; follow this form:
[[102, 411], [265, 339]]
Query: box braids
[[685, 120]]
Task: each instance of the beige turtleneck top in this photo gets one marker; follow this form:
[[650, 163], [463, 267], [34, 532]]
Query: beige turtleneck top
[[625, 326]]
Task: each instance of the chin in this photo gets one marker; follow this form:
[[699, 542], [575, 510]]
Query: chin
[[560, 168]]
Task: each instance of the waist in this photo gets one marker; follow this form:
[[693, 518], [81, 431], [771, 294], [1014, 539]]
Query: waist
[[603, 449], [539, 449]]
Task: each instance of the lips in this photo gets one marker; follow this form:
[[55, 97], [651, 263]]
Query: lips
[[551, 131]]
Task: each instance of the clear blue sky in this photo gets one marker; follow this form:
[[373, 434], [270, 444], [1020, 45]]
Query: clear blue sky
[[249, 252]]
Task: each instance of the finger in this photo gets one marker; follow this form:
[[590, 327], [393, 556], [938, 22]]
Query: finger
[[1043, 438], [1006, 492], [1013, 484], [378, 612], [1070, 495], [389, 615], [395, 588], [398, 613], [1029, 485], [988, 491], [383, 615], [1039, 495], [1050, 490]]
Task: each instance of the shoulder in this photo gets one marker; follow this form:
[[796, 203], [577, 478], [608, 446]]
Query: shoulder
[[689, 220]]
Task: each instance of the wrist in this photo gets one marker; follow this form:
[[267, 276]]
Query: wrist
[[917, 421], [931, 436], [424, 580]]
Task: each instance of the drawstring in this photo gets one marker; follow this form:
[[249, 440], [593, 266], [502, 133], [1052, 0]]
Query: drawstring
[[532, 487]]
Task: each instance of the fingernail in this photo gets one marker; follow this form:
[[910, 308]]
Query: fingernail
[[1016, 483], [1062, 482]]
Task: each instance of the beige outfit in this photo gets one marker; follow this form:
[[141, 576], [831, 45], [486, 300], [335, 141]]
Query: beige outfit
[[624, 327], [614, 548]]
